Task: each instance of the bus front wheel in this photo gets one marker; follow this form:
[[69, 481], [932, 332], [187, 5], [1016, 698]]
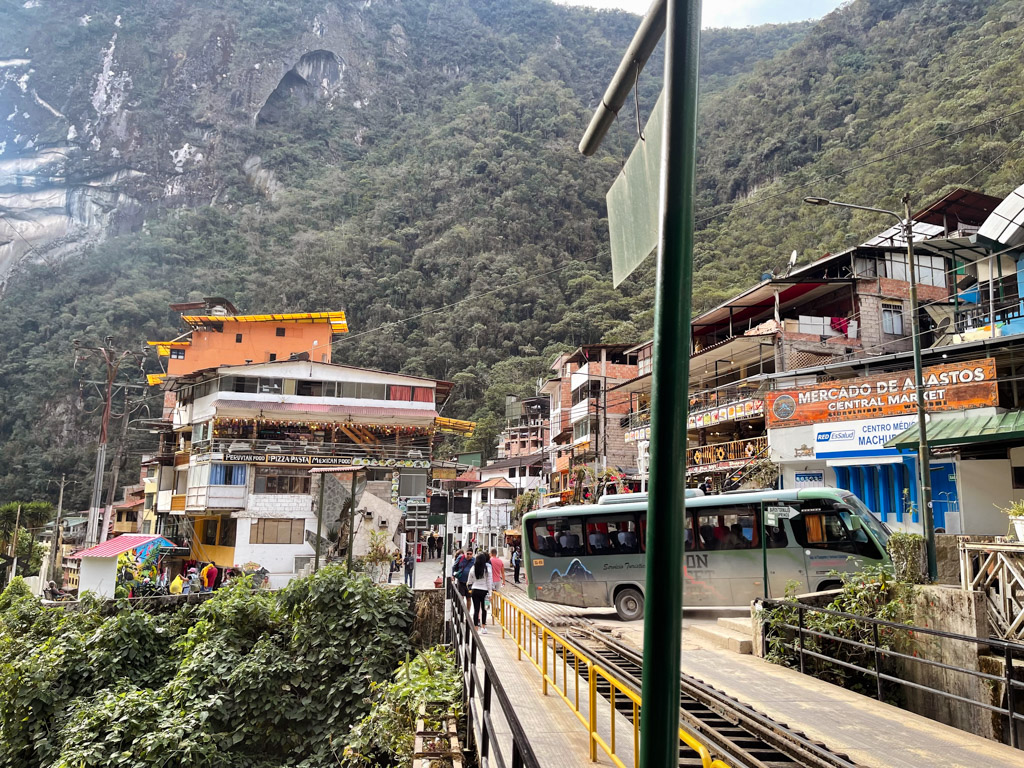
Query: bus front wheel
[[629, 604]]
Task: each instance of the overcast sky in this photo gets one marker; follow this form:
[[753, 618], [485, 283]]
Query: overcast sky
[[734, 13]]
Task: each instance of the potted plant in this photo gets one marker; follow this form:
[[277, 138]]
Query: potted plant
[[1015, 511]]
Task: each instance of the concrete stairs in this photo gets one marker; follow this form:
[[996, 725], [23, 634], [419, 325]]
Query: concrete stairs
[[731, 633]]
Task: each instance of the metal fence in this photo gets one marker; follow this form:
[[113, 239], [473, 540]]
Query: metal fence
[[799, 636], [483, 690]]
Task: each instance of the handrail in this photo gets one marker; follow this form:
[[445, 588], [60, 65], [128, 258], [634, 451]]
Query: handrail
[[797, 645], [542, 645], [467, 648]]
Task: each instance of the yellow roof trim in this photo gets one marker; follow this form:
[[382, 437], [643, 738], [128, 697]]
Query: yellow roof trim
[[456, 426], [337, 320]]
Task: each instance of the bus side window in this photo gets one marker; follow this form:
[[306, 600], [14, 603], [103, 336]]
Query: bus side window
[[612, 535], [824, 529], [563, 536], [731, 527]]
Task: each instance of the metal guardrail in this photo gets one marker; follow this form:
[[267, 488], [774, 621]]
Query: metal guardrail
[[798, 646], [468, 649], [997, 569], [734, 450], [547, 651]]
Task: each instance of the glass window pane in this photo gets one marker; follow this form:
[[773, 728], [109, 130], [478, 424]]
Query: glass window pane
[[729, 527], [558, 537], [612, 535]]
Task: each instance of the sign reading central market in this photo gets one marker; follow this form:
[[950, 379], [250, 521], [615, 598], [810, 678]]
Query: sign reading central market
[[954, 386]]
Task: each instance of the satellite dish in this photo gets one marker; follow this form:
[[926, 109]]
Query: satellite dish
[[791, 263]]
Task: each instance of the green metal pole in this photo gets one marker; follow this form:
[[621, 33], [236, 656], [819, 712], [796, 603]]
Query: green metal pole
[[923, 452], [351, 519], [764, 551], [666, 514], [319, 522]]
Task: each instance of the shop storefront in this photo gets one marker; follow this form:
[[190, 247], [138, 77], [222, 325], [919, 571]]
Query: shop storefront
[[837, 434]]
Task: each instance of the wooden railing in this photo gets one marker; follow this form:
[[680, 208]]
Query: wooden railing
[[997, 569], [735, 450]]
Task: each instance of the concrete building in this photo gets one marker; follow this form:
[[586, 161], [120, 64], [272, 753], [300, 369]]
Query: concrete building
[[238, 487], [493, 499], [586, 419]]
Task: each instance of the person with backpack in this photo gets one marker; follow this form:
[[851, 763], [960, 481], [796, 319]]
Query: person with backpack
[[517, 562], [410, 563], [463, 564], [479, 583]]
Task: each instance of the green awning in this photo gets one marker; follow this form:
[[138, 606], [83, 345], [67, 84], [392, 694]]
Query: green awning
[[966, 430]]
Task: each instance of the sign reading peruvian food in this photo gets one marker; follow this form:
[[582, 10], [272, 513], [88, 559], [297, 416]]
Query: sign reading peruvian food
[[954, 386]]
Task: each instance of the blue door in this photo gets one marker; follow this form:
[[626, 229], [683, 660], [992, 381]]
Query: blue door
[[945, 502]]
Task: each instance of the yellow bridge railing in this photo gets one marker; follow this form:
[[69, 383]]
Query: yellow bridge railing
[[548, 652]]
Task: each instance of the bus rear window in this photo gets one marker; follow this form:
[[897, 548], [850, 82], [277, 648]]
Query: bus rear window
[[557, 537]]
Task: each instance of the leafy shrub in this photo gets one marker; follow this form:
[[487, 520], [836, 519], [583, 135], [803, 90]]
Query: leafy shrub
[[385, 736], [871, 593], [905, 551], [245, 679]]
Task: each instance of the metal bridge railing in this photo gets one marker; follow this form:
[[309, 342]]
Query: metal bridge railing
[[801, 636], [480, 693], [581, 675]]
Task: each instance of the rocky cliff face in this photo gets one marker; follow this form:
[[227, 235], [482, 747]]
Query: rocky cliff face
[[150, 103]]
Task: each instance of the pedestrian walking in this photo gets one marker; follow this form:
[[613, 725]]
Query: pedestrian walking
[[410, 563], [497, 570], [517, 562], [461, 569], [479, 583]]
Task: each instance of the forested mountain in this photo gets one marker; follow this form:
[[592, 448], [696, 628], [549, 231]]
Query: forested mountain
[[394, 157]]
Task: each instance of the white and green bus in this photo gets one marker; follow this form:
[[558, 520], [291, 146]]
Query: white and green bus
[[593, 555]]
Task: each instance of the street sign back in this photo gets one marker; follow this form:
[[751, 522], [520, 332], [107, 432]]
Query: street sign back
[[633, 201]]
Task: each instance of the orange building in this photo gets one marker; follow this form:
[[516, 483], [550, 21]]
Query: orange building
[[218, 335]]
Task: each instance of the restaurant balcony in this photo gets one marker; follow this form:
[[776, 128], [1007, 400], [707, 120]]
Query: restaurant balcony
[[377, 454], [636, 420], [726, 455]]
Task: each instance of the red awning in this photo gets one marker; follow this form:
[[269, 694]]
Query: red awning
[[114, 547]]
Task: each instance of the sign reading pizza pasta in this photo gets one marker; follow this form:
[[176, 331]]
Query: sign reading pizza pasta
[[970, 384]]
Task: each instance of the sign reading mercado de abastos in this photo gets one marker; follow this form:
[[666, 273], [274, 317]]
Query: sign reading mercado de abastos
[[949, 387], [270, 457]]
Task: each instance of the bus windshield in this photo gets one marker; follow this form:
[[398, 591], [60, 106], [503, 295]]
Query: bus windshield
[[868, 520]]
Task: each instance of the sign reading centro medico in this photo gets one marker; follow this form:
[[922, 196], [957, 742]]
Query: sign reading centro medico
[[970, 384]]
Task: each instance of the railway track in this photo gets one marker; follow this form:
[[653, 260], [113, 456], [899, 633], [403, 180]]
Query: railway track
[[732, 731]]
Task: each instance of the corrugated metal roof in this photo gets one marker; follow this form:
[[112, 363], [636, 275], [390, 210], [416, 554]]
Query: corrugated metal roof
[[496, 482], [114, 547], [964, 431]]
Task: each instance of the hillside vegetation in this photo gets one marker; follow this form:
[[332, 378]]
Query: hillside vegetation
[[457, 176]]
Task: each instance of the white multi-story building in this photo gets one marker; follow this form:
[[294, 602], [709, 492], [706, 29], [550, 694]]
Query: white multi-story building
[[494, 497], [239, 487]]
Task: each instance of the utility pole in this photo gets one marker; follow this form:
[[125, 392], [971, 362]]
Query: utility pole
[[923, 450], [57, 532], [14, 545], [115, 471], [112, 360], [924, 465]]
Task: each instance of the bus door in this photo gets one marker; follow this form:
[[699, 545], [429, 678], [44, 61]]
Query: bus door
[[723, 566], [786, 561], [832, 540]]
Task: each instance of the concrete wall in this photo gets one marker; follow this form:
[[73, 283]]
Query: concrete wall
[[984, 485], [98, 575], [957, 611]]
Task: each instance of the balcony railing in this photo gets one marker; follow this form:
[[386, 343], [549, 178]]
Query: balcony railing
[[636, 420], [735, 450], [418, 454]]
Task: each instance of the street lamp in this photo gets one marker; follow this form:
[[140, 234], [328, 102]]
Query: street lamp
[[924, 475]]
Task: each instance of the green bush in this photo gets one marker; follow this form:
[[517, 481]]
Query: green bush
[[386, 735], [246, 679]]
